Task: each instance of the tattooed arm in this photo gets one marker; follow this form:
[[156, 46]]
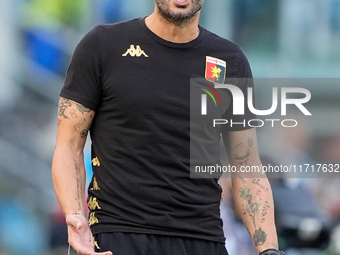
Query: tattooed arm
[[252, 193], [68, 171]]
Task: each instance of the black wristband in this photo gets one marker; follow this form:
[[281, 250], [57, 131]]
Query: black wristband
[[272, 252]]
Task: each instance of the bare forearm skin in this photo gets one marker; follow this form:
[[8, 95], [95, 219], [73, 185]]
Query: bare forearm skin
[[68, 174]]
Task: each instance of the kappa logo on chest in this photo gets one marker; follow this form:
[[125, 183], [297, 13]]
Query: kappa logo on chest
[[135, 52]]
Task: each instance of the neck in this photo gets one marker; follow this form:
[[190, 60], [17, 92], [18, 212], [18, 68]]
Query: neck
[[177, 33]]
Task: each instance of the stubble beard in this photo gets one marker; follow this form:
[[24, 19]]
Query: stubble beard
[[178, 19]]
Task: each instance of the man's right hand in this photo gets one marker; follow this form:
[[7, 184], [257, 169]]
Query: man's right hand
[[80, 235]]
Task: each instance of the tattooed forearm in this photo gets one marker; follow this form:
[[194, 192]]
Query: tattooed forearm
[[256, 182], [79, 198], [264, 211], [251, 207], [63, 104], [80, 123], [83, 133], [242, 151], [73, 114], [259, 237], [82, 109], [252, 195], [241, 154], [251, 198]]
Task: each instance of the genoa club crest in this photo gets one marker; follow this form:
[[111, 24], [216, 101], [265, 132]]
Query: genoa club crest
[[215, 70]]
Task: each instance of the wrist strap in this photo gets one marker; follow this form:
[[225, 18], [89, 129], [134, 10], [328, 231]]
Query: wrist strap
[[272, 252]]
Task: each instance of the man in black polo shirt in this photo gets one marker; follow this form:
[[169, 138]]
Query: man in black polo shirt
[[129, 85]]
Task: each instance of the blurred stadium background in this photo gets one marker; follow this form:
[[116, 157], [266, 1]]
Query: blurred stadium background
[[282, 39]]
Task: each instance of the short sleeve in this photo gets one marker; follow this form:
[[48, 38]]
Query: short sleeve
[[83, 78], [243, 80]]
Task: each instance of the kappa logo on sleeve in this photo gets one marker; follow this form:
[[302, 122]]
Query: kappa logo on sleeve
[[135, 52], [215, 70]]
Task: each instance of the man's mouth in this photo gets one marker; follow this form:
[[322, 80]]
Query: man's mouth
[[181, 3]]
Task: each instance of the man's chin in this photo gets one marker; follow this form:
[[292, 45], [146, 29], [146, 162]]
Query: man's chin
[[179, 18], [178, 12]]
